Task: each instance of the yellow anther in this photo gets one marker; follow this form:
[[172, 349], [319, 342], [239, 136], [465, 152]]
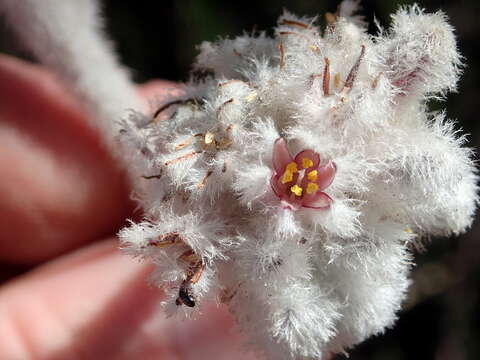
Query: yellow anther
[[312, 175], [306, 163], [287, 177], [297, 190], [292, 167], [312, 188]]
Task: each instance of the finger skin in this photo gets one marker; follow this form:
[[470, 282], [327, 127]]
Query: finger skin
[[59, 187], [95, 304]]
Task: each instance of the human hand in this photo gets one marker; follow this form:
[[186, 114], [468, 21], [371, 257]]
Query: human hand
[[61, 198]]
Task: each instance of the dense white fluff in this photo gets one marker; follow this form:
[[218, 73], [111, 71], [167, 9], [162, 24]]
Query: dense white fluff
[[301, 282], [322, 279]]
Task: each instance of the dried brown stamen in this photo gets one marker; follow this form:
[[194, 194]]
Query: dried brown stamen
[[203, 182], [219, 110], [282, 56], [354, 71], [164, 107], [194, 272], [295, 23], [326, 78], [189, 257], [183, 157], [187, 142], [165, 240], [375, 81]]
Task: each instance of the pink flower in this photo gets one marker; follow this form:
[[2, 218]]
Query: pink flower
[[299, 181]]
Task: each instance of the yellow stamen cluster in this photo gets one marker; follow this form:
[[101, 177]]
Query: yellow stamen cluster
[[312, 188], [297, 190], [289, 171], [306, 163], [312, 175], [292, 167]]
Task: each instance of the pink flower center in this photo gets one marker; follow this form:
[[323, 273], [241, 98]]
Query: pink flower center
[[299, 181]]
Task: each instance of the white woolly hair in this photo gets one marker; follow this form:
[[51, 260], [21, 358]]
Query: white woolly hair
[[323, 279], [301, 282]]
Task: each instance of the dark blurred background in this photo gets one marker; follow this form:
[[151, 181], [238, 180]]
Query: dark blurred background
[[441, 318]]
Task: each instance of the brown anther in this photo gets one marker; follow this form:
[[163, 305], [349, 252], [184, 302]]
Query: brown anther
[[282, 56], [203, 182], [295, 23], [326, 78], [187, 142], [375, 81], [354, 71], [224, 167], [183, 157], [197, 272]]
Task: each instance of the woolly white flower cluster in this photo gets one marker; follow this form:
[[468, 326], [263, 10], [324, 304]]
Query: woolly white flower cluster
[[294, 174]]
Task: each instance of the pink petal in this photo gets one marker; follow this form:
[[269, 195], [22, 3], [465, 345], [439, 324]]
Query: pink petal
[[318, 201], [275, 184], [279, 188], [312, 155], [281, 156], [325, 175]]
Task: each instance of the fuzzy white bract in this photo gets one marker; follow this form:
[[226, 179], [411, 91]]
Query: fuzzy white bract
[[294, 175]]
